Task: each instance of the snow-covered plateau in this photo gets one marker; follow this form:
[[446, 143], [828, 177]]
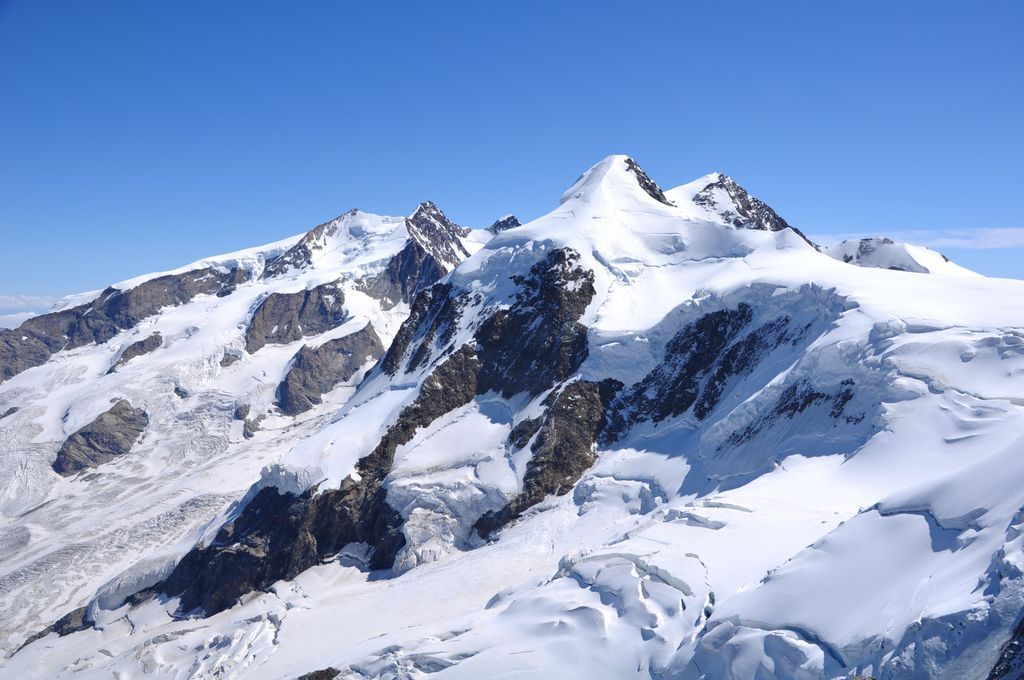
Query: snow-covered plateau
[[651, 434]]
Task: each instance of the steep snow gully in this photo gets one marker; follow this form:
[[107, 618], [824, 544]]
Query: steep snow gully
[[653, 433]]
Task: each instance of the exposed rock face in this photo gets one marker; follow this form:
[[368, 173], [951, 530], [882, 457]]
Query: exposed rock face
[[534, 343], [691, 356], [430, 326], [1010, 664], [408, 272], [797, 398], [538, 340], [138, 348], [649, 186], [701, 361], [317, 370], [20, 351], [112, 434], [562, 450], [322, 674], [745, 211], [72, 622], [249, 425], [277, 536], [32, 343], [286, 317], [438, 235], [433, 250], [9, 412], [504, 224]]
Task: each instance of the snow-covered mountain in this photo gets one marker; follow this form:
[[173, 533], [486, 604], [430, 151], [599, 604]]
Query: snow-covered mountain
[[649, 434], [888, 254]]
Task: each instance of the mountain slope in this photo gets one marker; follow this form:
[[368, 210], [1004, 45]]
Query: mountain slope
[[888, 254], [651, 433], [207, 388]]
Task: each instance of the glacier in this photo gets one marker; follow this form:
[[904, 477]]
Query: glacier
[[652, 433]]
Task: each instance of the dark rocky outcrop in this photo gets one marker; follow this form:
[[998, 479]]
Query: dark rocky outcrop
[[317, 370], [409, 271], [538, 341], [1010, 665], [138, 348], [797, 398], [534, 343], [32, 343], [523, 432], [286, 317], [429, 329], [701, 361], [20, 351], [746, 211], [690, 356], [112, 434], [707, 360], [649, 186], [562, 450], [72, 622], [279, 535], [9, 412], [438, 235], [322, 674], [740, 359], [250, 426], [433, 250], [504, 224], [434, 313]]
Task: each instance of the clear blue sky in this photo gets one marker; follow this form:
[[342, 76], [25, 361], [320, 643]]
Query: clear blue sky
[[137, 136]]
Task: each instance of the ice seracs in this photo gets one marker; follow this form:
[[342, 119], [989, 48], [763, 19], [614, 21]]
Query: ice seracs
[[648, 434]]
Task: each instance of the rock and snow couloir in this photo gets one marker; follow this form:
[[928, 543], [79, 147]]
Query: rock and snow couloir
[[649, 434]]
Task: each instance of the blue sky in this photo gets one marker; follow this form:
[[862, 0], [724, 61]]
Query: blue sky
[[138, 136]]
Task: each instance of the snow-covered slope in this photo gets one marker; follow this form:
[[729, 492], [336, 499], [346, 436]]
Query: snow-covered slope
[[650, 434], [885, 253], [204, 393]]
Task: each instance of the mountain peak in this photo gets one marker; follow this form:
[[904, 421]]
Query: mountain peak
[[884, 253], [725, 197], [437, 234], [304, 251], [611, 180]]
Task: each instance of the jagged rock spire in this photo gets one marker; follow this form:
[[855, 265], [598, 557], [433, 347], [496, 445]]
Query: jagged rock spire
[[438, 235]]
